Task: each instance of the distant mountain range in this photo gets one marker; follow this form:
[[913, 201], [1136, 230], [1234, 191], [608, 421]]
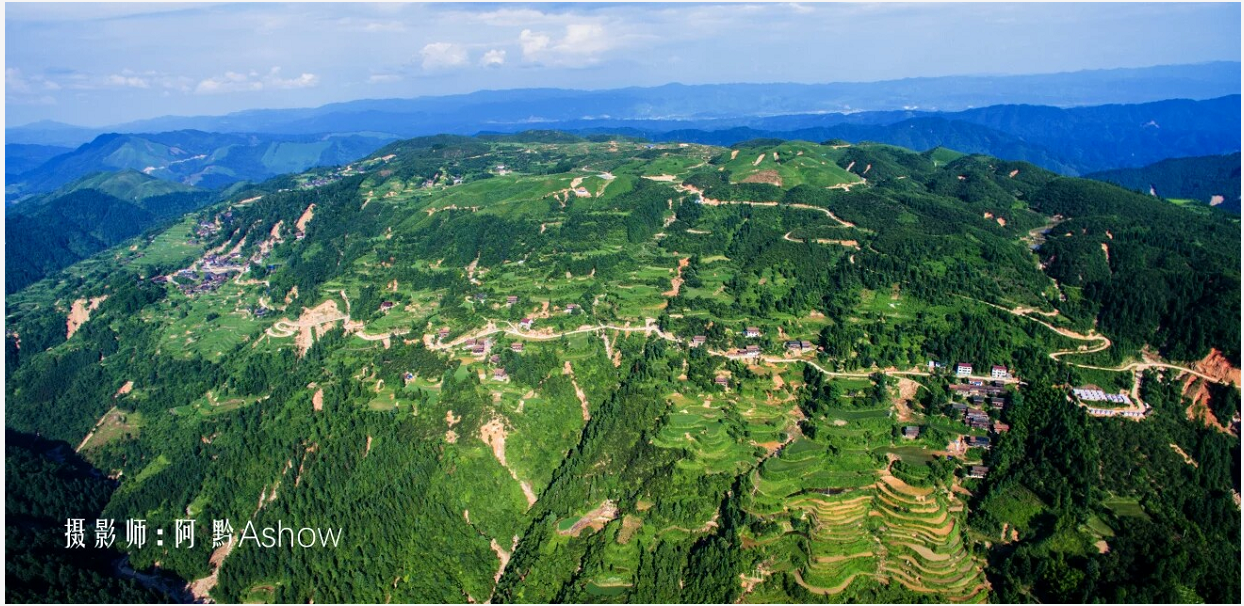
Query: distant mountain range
[[678, 106], [1213, 180], [1069, 141], [196, 158]]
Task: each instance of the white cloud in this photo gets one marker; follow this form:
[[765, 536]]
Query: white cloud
[[20, 89], [14, 82], [532, 43], [383, 78], [582, 44], [127, 81], [233, 82], [439, 55], [493, 58], [304, 80], [17, 82]]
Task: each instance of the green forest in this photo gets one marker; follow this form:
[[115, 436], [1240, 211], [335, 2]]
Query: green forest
[[546, 368]]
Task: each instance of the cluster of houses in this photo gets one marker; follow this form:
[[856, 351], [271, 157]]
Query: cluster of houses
[[1091, 393], [205, 229], [798, 346], [976, 392], [965, 369], [478, 347], [430, 183], [320, 182], [191, 282], [751, 351]]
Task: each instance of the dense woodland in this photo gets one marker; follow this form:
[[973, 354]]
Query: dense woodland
[[1200, 178], [221, 422]]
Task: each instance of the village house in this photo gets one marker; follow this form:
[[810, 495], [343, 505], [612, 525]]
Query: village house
[[386, 305], [751, 332], [963, 369], [999, 372], [997, 403], [698, 340], [799, 346], [444, 332], [582, 193], [525, 323], [510, 300], [498, 374], [571, 308], [494, 359], [516, 347], [978, 388], [751, 351], [911, 432], [977, 419], [978, 442], [722, 381], [481, 297], [978, 471], [1000, 427]]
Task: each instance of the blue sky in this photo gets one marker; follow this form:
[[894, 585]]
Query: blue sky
[[99, 64]]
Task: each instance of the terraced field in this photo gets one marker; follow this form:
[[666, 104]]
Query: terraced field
[[862, 522]]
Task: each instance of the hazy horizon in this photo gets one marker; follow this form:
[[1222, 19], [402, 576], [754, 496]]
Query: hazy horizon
[[134, 62], [486, 90]]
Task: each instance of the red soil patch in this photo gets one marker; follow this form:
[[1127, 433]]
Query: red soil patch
[[764, 176]]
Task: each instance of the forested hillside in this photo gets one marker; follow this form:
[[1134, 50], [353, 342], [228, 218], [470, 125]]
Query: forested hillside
[[56, 230], [543, 368], [1213, 180]]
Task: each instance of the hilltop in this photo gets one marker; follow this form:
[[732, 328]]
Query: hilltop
[[1212, 180], [548, 368]]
